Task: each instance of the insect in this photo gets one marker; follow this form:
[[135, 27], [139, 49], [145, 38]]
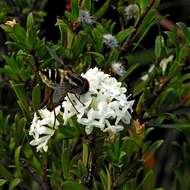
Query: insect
[[63, 82]]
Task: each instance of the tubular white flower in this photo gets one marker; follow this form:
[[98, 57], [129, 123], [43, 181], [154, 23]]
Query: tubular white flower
[[110, 41], [104, 106], [84, 17], [43, 128]]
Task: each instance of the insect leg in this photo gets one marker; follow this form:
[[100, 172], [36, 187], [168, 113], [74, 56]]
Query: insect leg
[[72, 103], [79, 100]]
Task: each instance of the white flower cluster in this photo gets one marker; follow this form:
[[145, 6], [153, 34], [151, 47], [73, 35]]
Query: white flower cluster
[[104, 106], [84, 17], [43, 128], [118, 68], [110, 41]]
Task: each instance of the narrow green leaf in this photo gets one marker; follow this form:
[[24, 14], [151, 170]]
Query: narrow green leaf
[[69, 132], [96, 54], [128, 72], [17, 161], [122, 35], [86, 4], [14, 183], [146, 180], [75, 9], [159, 44], [113, 56], [65, 161], [85, 153], [20, 93], [30, 22], [68, 185], [155, 145], [103, 9], [36, 97], [5, 172], [2, 182]]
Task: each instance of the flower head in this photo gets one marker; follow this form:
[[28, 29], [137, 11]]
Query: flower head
[[104, 106], [43, 128], [118, 68], [84, 17], [131, 11], [110, 40]]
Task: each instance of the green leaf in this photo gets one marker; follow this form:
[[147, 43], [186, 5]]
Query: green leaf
[[113, 56], [14, 183], [103, 9], [86, 4], [17, 161], [95, 54], [69, 185], [128, 72], [36, 97], [2, 182], [30, 22], [65, 161], [159, 44], [69, 132], [5, 172], [143, 4], [75, 9], [85, 153], [146, 181], [122, 35]]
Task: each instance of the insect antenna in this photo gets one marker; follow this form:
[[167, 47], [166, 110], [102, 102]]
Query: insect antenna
[[54, 56]]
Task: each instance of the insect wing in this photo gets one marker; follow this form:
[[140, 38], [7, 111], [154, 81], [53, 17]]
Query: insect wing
[[60, 93]]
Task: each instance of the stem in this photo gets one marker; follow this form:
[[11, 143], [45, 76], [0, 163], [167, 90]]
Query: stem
[[129, 41]]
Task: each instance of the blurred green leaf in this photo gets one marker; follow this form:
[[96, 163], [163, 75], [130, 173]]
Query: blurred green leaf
[[36, 97], [122, 35], [68, 185], [145, 184], [4, 172], [65, 161], [14, 183], [103, 9], [159, 45], [17, 161], [2, 182], [69, 132], [30, 22], [75, 9]]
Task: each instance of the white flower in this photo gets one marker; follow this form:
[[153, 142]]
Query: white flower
[[145, 77], [164, 63], [104, 106], [131, 11], [118, 68], [110, 40], [84, 17], [43, 128], [11, 23]]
